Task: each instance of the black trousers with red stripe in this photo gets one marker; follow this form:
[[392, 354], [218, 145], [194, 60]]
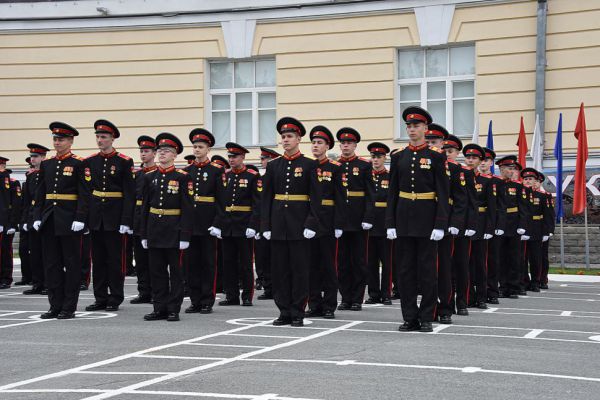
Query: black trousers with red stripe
[[36, 261], [26, 274], [510, 264], [237, 268], [6, 259], [62, 267], [166, 274], [534, 256], [290, 261], [417, 272], [545, 262], [86, 259], [380, 256], [523, 266], [445, 292], [202, 270], [323, 274], [109, 260], [478, 265], [352, 266], [142, 268], [262, 258], [493, 267], [460, 271]]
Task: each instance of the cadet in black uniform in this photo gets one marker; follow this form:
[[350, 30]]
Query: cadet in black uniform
[[6, 258], [110, 176], [380, 248], [486, 222], [147, 147], [239, 226], [217, 159], [551, 221], [262, 248], [289, 216], [323, 264], [417, 213], [60, 212], [357, 182], [166, 228], [517, 211], [210, 184], [32, 181], [26, 278]]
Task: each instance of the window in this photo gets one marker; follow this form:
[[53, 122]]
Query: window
[[241, 102], [441, 80]]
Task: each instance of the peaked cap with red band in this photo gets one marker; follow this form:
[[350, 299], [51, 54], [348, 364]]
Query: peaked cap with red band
[[35, 148], [416, 114], [167, 139], [289, 124], [202, 135], [378, 148], [489, 153], [265, 152], [507, 161], [60, 129], [473, 149], [348, 135], [452, 142], [146, 142], [220, 160], [436, 131], [530, 173], [234, 149], [322, 132], [104, 126]]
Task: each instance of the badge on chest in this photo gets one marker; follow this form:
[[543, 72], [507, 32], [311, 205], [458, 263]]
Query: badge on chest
[[68, 171], [173, 187], [425, 163], [298, 172]]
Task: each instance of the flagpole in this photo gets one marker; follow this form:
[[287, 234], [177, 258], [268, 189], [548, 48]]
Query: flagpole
[[587, 241], [562, 246]]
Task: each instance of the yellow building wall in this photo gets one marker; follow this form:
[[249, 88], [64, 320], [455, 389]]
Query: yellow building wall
[[332, 71]]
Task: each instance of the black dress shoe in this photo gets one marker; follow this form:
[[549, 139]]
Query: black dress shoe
[[155, 316], [83, 287], [410, 326], [66, 315], [44, 292], [33, 291], [193, 309], [112, 307], [95, 307], [206, 309], [313, 313], [229, 302], [504, 295], [356, 307], [386, 302], [445, 319], [344, 306], [371, 300], [481, 305], [50, 314], [328, 314], [172, 317], [513, 296], [544, 286], [297, 322], [141, 300], [4, 286], [282, 321], [534, 288], [426, 327], [493, 300], [258, 285], [22, 283], [247, 303], [396, 295], [265, 296], [462, 311], [522, 292]]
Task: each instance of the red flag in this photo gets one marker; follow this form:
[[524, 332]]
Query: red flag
[[579, 195], [522, 144]]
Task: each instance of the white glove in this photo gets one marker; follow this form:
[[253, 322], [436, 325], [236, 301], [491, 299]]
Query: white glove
[[77, 226], [366, 226], [24, 227], [123, 229], [130, 231], [308, 234], [391, 233], [499, 232], [469, 232], [145, 243], [11, 231], [545, 238], [437, 234], [267, 235], [214, 231], [184, 245], [250, 233], [338, 233], [87, 232], [2, 228], [257, 237], [520, 231], [551, 234], [487, 236], [524, 237], [453, 231]]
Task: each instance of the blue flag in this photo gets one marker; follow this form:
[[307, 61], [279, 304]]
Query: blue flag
[[490, 143], [558, 154]]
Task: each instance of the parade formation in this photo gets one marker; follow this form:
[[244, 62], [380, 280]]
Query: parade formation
[[453, 234]]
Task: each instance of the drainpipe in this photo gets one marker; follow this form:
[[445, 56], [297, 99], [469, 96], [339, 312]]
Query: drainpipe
[[540, 69]]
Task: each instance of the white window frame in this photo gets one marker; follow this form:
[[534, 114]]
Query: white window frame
[[232, 92], [449, 79]]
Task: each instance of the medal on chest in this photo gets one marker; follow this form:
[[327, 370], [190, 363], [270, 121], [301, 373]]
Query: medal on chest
[[425, 163], [68, 171], [259, 186], [344, 179], [191, 188], [173, 187], [298, 172], [512, 191], [205, 176], [355, 171], [462, 179], [113, 169], [479, 187], [88, 174]]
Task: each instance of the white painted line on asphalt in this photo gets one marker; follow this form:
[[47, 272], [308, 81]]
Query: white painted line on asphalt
[[579, 285], [266, 396], [6, 314], [120, 373], [264, 336], [566, 313], [490, 310], [244, 346], [533, 333], [29, 322], [595, 338], [440, 328], [576, 293], [179, 357], [573, 278], [54, 391]]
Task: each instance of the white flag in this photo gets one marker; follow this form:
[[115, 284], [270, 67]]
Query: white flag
[[536, 151], [475, 137]]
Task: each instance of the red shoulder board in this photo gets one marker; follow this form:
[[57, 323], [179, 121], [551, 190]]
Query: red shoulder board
[[253, 172], [437, 149], [75, 156], [364, 159], [466, 167], [181, 171], [452, 161], [123, 156], [214, 164], [335, 162]]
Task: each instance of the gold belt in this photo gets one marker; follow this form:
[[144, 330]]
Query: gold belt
[[417, 196], [292, 197], [537, 217], [114, 195], [57, 196], [382, 204], [451, 201], [327, 202], [204, 199], [165, 211], [138, 202], [482, 209], [512, 210], [356, 194], [238, 208]]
